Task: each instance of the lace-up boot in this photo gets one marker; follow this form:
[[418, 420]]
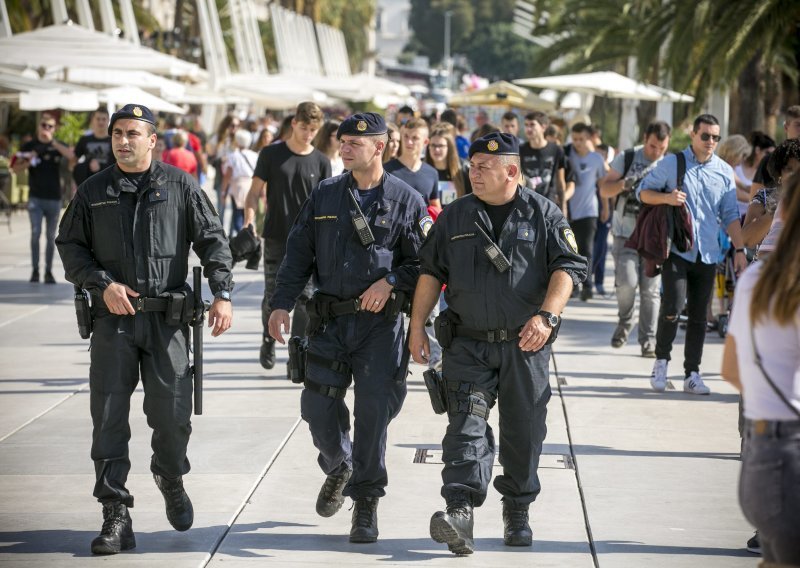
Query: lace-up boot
[[117, 532], [180, 512], [516, 530], [454, 526], [330, 498], [365, 520]]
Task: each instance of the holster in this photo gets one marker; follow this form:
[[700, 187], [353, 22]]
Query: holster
[[398, 302], [83, 311], [298, 348], [444, 329], [180, 306], [317, 310], [437, 390]]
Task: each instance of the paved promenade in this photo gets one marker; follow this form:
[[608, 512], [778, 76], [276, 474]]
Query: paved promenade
[[630, 477]]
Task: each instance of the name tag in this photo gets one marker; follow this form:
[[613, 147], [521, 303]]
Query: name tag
[[107, 203], [462, 236], [326, 218]]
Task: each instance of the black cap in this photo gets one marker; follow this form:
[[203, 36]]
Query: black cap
[[497, 143], [138, 112], [362, 124]]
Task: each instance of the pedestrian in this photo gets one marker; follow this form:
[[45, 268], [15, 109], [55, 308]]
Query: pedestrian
[[357, 332], [626, 172], [42, 157], [239, 169], [501, 319], [762, 360], [184, 159], [327, 142], [93, 151], [543, 162], [410, 167], [443, 156], [285, 174], [509, 123], [733, 151], [218, 147], [709, 192], [125, 238], [583, 205], [392, 149], [791, 128]]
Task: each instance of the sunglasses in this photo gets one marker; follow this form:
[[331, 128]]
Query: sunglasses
[[705, 136], [47, 125]]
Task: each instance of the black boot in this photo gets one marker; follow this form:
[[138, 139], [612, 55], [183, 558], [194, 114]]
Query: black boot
[[267, 354], [330, 498], [516, 530], [365, 520], [180, 512], [117, 532], [34, 275], [454, 527]]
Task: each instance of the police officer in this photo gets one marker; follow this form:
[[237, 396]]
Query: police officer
[[509, 260], [125, 238], [359, 234]]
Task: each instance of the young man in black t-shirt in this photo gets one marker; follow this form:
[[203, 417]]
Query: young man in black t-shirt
[[542, 162], [286, 173], [42, 158], [94, 148]]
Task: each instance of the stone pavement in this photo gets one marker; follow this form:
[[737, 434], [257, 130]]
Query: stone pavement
[[630, 477]]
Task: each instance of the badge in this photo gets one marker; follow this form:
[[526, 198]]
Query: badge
[[137, 112], [569, 236], [425, 225], [361, 126], [492, 145]]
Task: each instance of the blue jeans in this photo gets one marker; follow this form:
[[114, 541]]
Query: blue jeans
[[768, 488], [48, 209]]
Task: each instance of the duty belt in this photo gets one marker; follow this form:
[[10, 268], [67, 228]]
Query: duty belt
[[491, 335], [149, 304]]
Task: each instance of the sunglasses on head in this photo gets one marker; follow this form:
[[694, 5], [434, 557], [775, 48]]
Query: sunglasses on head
[[705, 136], [47, 125]]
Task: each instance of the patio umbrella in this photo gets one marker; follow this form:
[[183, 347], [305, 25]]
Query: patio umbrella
[[501, 93], [605, 84], [120, 96]]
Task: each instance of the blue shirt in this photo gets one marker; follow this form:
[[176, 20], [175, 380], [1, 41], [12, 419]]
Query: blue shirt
[[710, 197], [425, 180]]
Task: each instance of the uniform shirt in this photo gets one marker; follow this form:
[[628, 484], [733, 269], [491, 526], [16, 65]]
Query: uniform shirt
[[113, 231], [779, 347], [540, 166], [290, 179], [323, 241], [588, 170], [425, 180], [626, 206], [535, 237], [710, 198], [44, 178]]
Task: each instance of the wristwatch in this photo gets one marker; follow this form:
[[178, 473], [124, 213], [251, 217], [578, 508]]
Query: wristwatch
[[223, 295], [391, 278], [550, 319]]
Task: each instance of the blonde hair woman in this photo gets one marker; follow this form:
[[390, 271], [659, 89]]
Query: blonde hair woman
[[443, 155]]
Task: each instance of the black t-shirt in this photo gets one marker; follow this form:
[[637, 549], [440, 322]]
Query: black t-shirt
[[290, 179], [425, 180], [44, 178], [498, 215], [540, 166], [139, 179], [92, 148], [367, 197], [762, 175]]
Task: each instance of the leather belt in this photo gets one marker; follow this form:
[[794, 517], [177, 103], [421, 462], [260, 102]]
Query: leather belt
[[773, 428], [149, 304]]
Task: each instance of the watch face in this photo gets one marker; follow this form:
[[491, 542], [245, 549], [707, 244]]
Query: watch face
[[391, 279]]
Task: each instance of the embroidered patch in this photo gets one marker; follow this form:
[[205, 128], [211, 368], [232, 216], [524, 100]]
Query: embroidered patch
[[492, 145], [326, 218], [525, 234], [462, 236], [425, 225], [569, 236], [137, 112], [105, 203]]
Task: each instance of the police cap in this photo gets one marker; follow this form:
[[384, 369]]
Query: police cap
[[362, 124], [137, 112], [496, 143]]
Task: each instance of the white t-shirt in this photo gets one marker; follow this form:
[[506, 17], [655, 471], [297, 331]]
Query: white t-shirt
[[779, 347]]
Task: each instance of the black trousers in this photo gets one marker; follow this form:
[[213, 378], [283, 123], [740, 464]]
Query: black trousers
[[122, 348], [691, 284], [372, 346], [519, 381], [585, 230], [274, 252]]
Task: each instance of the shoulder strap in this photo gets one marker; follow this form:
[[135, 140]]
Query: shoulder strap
[[248, 161], [629, 153], [681, 168], [761, 368]]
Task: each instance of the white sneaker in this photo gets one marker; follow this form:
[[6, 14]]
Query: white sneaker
[[658, 378], [694, 384]]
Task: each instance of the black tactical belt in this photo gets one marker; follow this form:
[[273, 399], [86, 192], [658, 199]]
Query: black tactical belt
[[149, 304], [325, 390], [492, 335], [348, 307]]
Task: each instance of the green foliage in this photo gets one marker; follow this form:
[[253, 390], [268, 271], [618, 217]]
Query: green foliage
[[71, 127], [496, 52]]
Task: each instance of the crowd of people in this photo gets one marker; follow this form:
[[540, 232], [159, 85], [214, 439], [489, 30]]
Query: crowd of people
[[359, 215]]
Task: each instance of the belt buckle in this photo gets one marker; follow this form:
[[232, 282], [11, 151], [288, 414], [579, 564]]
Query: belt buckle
[[760, 427], [356, 304], [500, 335], [139, 306]]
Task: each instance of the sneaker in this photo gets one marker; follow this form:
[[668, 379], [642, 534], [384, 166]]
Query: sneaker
[[330, 498], [48, 278], [34, 276], [693, 384], [753, 545], [620, 337], [266, 355], [648, 350], [658, 378]]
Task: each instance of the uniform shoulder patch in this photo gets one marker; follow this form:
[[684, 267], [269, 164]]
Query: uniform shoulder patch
[[425, 225], [569, 236]]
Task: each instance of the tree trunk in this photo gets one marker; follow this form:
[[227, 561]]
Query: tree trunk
[[751, 93], [772, 102]]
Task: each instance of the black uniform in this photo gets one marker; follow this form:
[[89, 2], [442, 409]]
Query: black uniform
[[114, 232], [537, 240], [323, 241]]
